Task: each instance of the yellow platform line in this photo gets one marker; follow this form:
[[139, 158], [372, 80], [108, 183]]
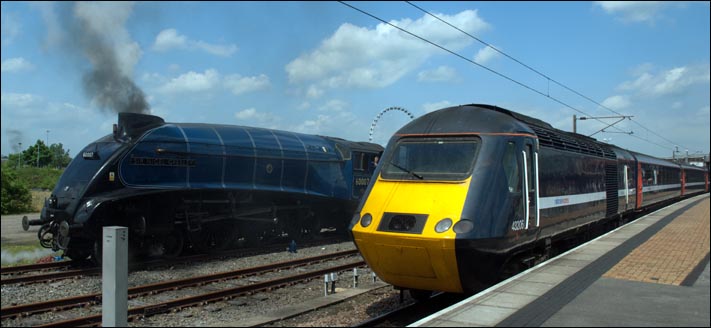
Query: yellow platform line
[[671, 254]]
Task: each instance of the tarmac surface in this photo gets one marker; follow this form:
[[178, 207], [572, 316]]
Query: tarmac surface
[[653, 271], [12, 233]]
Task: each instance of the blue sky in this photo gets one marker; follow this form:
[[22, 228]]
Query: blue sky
[[324, 68]]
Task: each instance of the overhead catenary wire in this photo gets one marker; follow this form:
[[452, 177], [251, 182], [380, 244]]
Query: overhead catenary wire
[[547, 95], [469, 60], [543, 75]]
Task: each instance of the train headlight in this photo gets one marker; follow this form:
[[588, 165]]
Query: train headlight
[[366, 220], [443, 225], [463, 226]]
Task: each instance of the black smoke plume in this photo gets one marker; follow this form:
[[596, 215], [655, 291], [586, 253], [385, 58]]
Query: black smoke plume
[[106, 83]]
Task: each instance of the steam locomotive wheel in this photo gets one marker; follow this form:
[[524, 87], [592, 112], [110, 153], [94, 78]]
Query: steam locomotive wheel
[[173, 244], [77, 255], [97, 251], [294, 228], [314, 226], [215, 236]]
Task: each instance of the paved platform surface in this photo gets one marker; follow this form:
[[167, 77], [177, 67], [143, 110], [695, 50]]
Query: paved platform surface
[[651, 272]]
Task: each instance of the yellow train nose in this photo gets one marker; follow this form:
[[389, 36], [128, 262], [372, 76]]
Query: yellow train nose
[[419, 263], [401, 243]]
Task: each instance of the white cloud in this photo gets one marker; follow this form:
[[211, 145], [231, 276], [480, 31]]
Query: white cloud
[[633, 11], [10, 28], [334, 105], [331, 118], [55, 33], [216, 49], [239, 85], [192, 82], [617, 102], [251, 114], [314, 92], [16, 65], [356, 56], [671, 81], [304, 105], [486, 54], [431, 107], [246, 114], [439, 74], [170, 39], [313, 126], [18, 100]]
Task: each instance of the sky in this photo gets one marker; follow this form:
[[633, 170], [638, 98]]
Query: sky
[[326, 68]]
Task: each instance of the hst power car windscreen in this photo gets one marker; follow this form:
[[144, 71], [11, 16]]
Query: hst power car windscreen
[[443, 159]]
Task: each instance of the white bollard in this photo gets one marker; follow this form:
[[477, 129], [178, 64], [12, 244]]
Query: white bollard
[[114, 277], [355, 277], [325, 284], [334, 277]]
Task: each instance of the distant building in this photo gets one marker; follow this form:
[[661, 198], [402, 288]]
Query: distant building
[[696, 160]]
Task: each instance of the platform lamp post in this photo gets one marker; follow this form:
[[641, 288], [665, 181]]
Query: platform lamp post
[[47, 144], [18, 163]]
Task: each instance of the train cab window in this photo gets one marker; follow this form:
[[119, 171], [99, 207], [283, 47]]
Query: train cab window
[[510, 165], [360, 161], [448, 159]]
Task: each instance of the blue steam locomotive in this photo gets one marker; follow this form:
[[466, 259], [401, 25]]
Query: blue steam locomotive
[[204, 186]]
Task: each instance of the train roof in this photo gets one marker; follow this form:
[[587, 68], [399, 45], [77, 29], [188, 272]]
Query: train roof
[[480, 118], [653, 160], [141, 125], [357, 145], [466, 119], [692, 167]]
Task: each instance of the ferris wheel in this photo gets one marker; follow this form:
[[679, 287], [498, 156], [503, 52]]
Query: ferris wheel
[[377, 117]]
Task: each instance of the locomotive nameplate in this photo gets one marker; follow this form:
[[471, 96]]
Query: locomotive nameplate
[[154, 161]]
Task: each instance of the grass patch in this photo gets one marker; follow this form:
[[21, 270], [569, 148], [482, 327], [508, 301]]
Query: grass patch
[[13, 255], [38, 197]]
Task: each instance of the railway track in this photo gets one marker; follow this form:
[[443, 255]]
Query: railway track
[[67, 303], [410, 313], [17, 274], [19, 269]]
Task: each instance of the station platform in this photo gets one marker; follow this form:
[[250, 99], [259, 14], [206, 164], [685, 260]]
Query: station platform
[[653, 271]]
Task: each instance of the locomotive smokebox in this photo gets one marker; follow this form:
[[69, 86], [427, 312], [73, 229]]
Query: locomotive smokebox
[[132, 124]]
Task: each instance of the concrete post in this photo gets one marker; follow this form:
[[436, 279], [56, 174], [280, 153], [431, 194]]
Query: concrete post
[[114, 277]]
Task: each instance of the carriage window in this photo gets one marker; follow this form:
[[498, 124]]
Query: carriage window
[[510, 164]]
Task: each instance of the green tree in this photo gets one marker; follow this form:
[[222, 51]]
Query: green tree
[[52, 156], [60, 157], [16, 197]]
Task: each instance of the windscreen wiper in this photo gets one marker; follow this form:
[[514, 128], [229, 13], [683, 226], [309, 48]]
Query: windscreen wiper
[[406, 170]]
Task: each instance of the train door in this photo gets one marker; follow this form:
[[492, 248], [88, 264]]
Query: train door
[[626, 181], [530, 183]]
